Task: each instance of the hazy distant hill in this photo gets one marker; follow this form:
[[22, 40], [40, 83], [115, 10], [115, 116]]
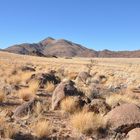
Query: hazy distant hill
[[62, 48]]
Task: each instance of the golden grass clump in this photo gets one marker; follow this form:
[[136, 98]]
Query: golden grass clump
[[121, 98], [15, 79], [69, 105], [10, 131], [49, 87], [34, 86], [25, 76], [2, 96], [86, 122], [26, 94], [7, 130], [42, 129]]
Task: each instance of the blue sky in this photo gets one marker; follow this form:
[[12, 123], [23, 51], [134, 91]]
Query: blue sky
[[96, 24]]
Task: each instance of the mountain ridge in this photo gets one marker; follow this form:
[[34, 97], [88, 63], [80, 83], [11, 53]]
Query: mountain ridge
[[50, 47]]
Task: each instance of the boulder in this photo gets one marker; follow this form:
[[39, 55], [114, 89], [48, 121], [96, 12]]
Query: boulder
[[134, 134], [43, 78], [123, 118], [24, 109], [65, 88]]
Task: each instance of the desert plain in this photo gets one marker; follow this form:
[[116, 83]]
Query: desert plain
[[69, 98]]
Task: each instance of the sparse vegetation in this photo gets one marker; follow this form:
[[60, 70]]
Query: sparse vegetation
[[37, 120]]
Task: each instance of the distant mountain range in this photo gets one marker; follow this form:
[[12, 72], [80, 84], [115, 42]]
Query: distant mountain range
[[51, 47]]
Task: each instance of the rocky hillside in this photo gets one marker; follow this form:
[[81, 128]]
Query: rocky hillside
[[65, 48]]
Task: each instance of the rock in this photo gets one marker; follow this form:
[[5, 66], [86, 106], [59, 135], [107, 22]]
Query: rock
[[123, 118], [23, 109], [83, 76], [93, 91], [43, 78], [134, 134], [27, 68], [65, 88], [98, 106]]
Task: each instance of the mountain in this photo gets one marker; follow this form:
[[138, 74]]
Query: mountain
[[50, 47]]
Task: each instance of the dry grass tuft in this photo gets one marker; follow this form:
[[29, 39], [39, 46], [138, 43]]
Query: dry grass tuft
[[26, 94], [86, 122], [10, 131], [42, 129], [7, 130], [49, 87], [15, 79], [2, 96], [26, 75], [34, 86], [69, 105]]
